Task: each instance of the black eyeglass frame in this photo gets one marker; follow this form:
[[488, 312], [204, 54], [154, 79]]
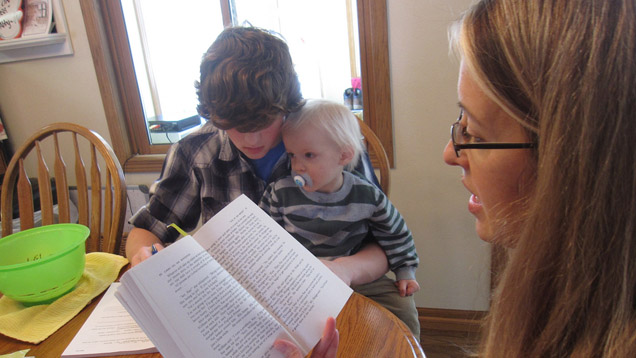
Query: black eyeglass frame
[[459, 146]]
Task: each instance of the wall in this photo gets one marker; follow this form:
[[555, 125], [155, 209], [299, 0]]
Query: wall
[[454, 271]]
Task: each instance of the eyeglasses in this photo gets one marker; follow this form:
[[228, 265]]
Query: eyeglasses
[[462, 140]]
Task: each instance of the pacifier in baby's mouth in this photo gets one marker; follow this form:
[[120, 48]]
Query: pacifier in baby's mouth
[[301, 179]]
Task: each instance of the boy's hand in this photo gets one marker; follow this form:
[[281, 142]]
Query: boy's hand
[[407, 287], [367, 265], [139, 245], [143, 253]]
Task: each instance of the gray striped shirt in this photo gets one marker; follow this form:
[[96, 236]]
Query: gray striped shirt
[[336, 224]]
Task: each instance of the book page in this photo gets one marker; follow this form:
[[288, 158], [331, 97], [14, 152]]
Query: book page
[[192, 307], [109, 330], [289, 281]]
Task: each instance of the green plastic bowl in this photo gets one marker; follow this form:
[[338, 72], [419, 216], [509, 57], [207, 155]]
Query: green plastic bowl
[[39, 265]]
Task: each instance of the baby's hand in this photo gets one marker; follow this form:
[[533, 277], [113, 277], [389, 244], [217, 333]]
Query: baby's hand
[[407, 287]]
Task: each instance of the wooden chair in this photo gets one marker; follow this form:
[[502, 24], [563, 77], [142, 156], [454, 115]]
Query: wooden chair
[[106, 219], [379, 159]]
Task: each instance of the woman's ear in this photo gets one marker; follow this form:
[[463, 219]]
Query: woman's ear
[[346, 156]]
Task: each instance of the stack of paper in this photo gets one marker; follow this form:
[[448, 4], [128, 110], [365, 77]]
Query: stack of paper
[[109, 330]]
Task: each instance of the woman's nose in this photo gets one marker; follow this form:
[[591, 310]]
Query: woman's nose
[[449, 154]]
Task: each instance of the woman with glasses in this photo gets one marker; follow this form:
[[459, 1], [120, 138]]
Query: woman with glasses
[[546, 140]]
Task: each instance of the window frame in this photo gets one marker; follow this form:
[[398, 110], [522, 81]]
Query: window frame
[[108, 42]]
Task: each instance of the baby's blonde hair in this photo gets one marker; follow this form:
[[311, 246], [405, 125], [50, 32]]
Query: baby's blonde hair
[[335, 119]]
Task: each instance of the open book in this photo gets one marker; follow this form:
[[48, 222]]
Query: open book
[[239, 284]]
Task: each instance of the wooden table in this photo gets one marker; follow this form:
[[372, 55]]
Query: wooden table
[[370, 330], [366, 330]]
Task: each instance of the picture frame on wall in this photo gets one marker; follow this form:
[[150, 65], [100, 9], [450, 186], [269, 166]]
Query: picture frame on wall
[[38, 17]]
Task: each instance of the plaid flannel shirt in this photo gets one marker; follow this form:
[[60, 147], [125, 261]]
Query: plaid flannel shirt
[[201, 174]]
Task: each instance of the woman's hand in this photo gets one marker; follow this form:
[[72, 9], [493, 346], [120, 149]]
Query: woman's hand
[[326, 347]]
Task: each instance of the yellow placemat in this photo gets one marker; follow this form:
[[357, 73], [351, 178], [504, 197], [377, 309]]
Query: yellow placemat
[[34, 324], [18, 354]]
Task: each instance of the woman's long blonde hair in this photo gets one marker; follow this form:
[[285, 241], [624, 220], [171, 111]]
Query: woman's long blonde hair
[[566, 69]]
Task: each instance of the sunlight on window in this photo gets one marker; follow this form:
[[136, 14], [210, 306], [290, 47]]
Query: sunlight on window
[[168, 39], [319, 37], [167, 42]]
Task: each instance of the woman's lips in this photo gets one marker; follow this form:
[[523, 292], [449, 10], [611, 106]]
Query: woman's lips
[[474, 204]]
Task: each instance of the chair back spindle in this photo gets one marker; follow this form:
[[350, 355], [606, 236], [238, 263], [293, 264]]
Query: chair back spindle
[[25, 200], [108, 207], [82, 185], [96, 201], [61, 183], [44, 186]]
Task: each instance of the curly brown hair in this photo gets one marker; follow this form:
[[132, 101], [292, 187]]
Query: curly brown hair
[[247, 79]]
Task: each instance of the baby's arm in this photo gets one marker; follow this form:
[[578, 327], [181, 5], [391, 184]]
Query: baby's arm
[[407, 287]]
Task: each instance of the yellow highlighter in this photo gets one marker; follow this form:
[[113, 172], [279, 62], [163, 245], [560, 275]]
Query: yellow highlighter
[[154, 250], [181, 232]]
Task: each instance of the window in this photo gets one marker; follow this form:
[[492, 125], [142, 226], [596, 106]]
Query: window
[[166, 43], [121, 95], [322, 37]]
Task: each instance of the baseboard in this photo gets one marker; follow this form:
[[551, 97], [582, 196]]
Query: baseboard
[[446, 333], [439, 319]]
